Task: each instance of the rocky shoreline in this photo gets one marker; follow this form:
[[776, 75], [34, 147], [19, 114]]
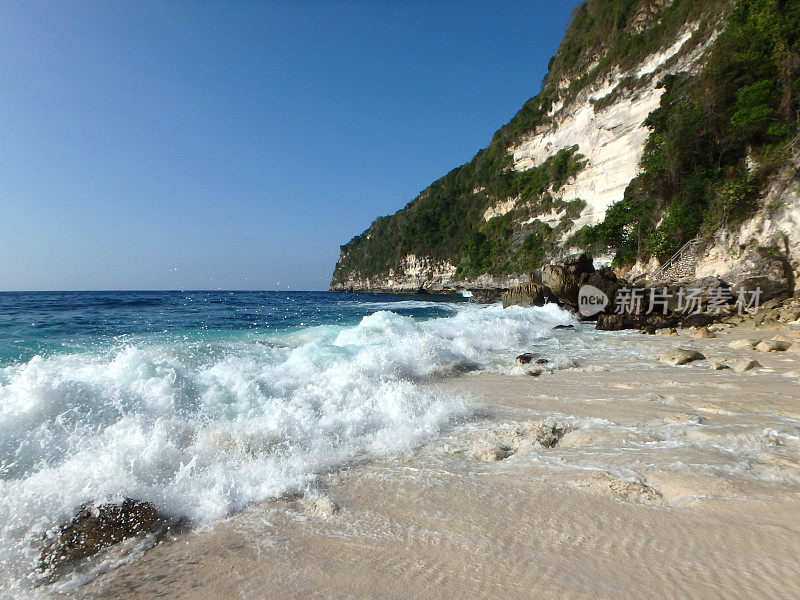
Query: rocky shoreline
[[653, 307]]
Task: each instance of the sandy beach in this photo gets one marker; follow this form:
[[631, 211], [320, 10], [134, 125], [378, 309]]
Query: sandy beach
[[663, 482]]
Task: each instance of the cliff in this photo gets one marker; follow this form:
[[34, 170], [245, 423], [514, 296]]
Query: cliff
[[658, 122]]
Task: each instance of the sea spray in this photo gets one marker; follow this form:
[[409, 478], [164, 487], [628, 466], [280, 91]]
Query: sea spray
[[202, 427]]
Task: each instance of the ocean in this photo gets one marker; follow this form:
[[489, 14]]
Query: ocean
[[204, 402]]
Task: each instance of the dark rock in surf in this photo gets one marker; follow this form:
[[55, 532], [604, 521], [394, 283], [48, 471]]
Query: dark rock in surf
[[548, 435], [561, 282], [95, 528], [527, 358], [611, 322], [485, 296], [531, 294], [659, 321]]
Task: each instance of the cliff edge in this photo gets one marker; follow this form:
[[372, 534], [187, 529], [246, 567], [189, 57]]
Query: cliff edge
[[658, 122]]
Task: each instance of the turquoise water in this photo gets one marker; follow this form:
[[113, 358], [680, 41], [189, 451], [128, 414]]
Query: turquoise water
[[34, 323]]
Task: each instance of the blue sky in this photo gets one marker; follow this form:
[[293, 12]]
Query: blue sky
[[237, 144]]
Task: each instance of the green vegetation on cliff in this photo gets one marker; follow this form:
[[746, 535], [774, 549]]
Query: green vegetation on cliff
[[445, 222], [716, 137], [604, 34], [740, 108]]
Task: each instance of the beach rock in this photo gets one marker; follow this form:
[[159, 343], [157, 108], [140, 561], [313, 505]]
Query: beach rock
[[579, 264], [773, 346], [703, 333], [648, 330], [684, 418], [707, 288], [761, 268], [542, 361], [661, 321], [770, 304], [734, 319], [604, 280], [564, 327], [320, 507], [524, 437], [667, 331], [698, 320], [488, 451], [746, 364], [524, 359], [545, 433], [95, 528], [548, 435], [485, 296], [718, 365], [784, 338], [562, 283], [772, 314], [531, 294], [744, 344], [794, 347], [789, 314], [606, 322], [680, 356], [639, 492], [771, 287], [709, 283], [766, 321]]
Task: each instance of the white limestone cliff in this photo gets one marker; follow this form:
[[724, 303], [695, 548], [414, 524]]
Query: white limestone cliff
[[611, 138], [421, 274]]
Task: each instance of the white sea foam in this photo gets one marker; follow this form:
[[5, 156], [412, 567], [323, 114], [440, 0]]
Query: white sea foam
[[202, 429], [406, 304]]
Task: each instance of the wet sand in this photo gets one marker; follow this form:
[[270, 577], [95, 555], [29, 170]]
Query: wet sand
[[664, 482]]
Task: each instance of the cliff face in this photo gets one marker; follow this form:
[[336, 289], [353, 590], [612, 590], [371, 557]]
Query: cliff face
[[770, 240], [606, 121], [424, 275], [544, 185]]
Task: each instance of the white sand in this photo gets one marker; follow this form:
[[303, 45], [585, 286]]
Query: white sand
[[673, 482]]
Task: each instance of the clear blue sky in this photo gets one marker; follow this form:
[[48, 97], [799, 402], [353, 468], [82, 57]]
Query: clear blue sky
[[237, 144]]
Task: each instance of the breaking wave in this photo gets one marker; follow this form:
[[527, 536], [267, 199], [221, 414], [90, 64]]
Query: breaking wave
[[201, 428]]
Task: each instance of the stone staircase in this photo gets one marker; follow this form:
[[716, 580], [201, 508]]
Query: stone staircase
[[680, 266]]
